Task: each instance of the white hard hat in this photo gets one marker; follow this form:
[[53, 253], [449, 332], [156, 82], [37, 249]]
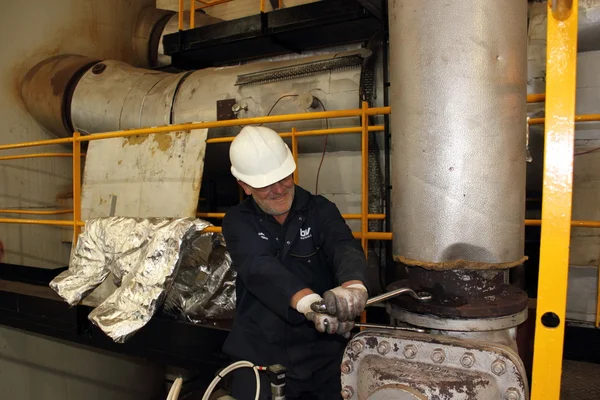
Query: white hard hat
[[259, 157]]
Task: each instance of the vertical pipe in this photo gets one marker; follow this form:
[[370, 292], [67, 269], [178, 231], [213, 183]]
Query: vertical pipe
[[76, 186], [180, 15], [192, 14], [561, 60], [295, 154], [364, 176], [387, 265]]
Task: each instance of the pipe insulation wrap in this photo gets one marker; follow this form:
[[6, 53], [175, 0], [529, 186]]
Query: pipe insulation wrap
[[459, 98]]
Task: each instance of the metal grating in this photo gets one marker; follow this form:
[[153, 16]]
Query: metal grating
[[280, 74], [580, 381]]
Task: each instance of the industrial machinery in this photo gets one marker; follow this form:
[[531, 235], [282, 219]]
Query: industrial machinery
[[458, 175]]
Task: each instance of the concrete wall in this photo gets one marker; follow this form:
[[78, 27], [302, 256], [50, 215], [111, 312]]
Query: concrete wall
[[32, 367], [35, 368]]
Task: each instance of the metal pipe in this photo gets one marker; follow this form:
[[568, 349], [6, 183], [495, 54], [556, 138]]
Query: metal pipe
[[536, 98], [295, 154], [578, 118], [35, 212], [214, 124], [36, 155], [36, 143], [345, 216], [192, 14], [236, 122], [180, 15], [76, 186], [316, 132], [39, 222], [574, 223], [364, 177]]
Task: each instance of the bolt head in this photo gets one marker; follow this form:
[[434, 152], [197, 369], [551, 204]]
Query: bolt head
[[512, 394], [438, 356], [357, 346], [347, 367], [467, 360], [383, 348], [347, 392], [410, 351], [498, 367]]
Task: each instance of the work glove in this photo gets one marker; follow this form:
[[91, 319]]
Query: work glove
[[346, 303], [324, 323], [330, 324]]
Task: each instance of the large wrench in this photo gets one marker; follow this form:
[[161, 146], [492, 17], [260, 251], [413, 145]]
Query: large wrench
[[320, 307]]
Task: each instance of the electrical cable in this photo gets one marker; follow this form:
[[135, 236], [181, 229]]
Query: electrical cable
[[230, 368], [175, 389], [324, 148], [277, 102], [587, 151]]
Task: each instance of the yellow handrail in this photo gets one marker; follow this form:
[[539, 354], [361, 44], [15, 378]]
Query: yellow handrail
[[35, 212]]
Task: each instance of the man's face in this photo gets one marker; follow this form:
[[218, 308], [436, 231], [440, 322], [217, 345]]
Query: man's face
[[275, 199]]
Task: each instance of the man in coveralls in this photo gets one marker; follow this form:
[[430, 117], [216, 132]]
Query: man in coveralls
[[290, 249]]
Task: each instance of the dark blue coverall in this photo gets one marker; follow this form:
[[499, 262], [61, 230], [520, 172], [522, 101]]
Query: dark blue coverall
[[313, 249]]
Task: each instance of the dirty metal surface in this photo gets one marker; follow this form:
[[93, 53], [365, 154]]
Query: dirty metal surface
[[580, 381], [225, 109], [456, 324], [47, 88], [477, 297], [379, 365]]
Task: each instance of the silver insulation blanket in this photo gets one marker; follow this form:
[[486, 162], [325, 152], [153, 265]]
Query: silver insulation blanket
[[144, 256]]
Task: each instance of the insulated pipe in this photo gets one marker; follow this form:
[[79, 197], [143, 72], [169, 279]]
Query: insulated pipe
[[459, 94], [458, 90]]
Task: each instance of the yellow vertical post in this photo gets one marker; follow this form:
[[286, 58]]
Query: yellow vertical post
[[295, 154], [364, 222], [561, 62], [364, 176], [280, 6], [180, 16], [262, 6], [192, 14], [76, 186]]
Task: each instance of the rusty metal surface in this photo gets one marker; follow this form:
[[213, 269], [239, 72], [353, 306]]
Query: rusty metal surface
[[385, 365], [461, 294], [47, 88]]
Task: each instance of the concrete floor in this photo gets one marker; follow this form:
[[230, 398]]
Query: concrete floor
[[580, 381]]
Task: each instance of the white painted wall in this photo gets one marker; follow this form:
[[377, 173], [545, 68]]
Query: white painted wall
[[32, 367]]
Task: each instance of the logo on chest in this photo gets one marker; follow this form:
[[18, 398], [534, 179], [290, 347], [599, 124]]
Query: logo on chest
[[305, 233], [262, 236]]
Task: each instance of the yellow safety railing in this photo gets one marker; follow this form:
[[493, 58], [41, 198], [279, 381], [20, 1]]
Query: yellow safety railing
[[76, 140], [205, 4]]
